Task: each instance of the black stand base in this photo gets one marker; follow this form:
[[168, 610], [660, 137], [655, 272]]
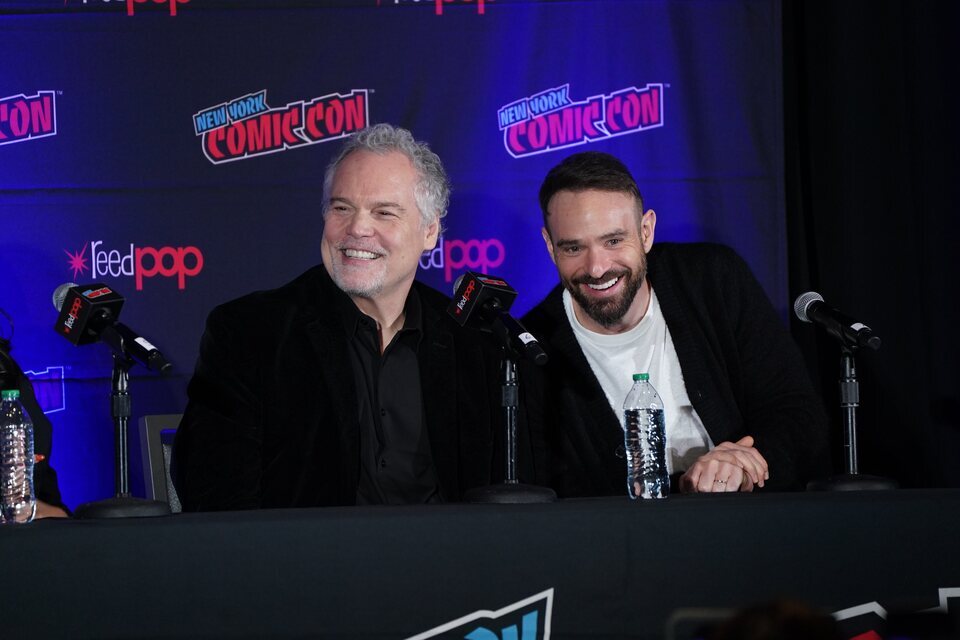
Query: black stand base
[[515, 493], [122, 507], [853, 482]]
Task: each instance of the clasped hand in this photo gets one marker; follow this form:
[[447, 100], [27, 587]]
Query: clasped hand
[[730, 466]]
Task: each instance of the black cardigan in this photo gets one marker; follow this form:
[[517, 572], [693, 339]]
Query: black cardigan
[[742, 371]]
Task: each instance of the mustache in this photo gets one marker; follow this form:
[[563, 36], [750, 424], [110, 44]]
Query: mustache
[[606, 277], [372, 247]]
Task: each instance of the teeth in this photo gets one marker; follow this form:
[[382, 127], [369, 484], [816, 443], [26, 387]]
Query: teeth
[[605, 285], [356, 253]]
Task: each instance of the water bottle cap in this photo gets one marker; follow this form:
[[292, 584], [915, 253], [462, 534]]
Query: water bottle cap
[[641, 376], [10, 394]]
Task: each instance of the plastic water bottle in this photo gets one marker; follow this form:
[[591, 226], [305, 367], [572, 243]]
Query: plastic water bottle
[[18, 502], [645, 440]]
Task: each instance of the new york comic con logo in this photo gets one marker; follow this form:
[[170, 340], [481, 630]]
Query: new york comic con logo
[[550, 120], [132, 3], [528, 619], [247, 126], [25, 117]]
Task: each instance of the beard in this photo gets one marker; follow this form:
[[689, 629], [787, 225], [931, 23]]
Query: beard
[[355, 282], [360, 280], [610, 311]]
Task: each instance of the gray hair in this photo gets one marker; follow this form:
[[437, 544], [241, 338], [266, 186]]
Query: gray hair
[[432, 191]]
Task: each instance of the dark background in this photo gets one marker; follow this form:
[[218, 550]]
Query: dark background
[[872, 189]]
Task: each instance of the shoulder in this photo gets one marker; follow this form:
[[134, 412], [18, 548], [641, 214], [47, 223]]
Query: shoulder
[[548, 313], [431, 300], [696, 261], [693, 253], [307, 293]]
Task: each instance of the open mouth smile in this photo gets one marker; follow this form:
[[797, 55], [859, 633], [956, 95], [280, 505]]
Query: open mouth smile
[[360, 254], [604, 285]]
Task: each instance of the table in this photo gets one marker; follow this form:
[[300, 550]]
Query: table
[[595, 568]]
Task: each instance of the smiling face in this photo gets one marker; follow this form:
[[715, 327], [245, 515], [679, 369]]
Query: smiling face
[[373, 231], [599, 243]]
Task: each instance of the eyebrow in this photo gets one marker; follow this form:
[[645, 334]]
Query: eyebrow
[[376, 205], [607, 236]]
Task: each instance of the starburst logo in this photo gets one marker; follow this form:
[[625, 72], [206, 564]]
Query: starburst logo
[[77, 261]]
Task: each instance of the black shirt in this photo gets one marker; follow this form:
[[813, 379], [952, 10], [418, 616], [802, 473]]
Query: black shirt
[[396, 466]]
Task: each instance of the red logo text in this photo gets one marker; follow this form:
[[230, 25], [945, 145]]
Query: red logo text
[[173, 5]]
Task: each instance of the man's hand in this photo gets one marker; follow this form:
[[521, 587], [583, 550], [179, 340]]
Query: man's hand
[[730, 466], [45, 510]]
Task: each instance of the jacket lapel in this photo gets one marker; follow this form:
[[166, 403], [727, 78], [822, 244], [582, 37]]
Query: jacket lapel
[[326, 336], [439, 391]]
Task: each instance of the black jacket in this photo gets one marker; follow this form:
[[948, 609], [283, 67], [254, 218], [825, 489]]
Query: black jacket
[[742, 371], [272, 418]]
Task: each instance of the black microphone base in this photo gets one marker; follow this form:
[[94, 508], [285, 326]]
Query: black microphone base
[[853, 482], [122, 507], [510, 493]]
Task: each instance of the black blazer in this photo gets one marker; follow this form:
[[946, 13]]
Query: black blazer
[[272, 419]]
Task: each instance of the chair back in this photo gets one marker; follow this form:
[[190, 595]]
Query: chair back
[[156, 446]]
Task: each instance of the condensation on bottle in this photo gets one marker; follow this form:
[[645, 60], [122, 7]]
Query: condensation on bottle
[[645, 441], [18, 502]]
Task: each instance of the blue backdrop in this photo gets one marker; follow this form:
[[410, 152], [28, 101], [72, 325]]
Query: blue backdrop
[[175, 151]]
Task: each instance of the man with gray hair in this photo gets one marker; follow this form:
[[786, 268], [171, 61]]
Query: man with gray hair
[[349, 385]]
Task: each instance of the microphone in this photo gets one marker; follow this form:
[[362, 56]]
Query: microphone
[[483, 301], [89, 313], [810, 307]]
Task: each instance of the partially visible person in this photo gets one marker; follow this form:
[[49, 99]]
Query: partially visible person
[[740, 410], [778, 620], [49, 502], [351, 384]]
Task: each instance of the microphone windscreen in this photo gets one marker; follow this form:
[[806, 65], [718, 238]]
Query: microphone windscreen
[[456, 284], [803, 302], [60, 294]]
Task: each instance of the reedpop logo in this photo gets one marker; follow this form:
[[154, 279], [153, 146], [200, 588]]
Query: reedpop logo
[[550, 120], [140, 263], [472, 255], [247, 126], [438, 4]]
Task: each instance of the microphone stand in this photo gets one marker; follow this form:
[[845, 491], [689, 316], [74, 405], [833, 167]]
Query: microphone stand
[[122, 505], [510, 491], [852, 479]]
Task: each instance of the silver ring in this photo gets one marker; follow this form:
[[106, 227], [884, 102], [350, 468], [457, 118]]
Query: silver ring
[[720, 481]]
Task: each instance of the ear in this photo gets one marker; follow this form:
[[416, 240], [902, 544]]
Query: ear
[[547, 241], [648, 224], [430, 235]]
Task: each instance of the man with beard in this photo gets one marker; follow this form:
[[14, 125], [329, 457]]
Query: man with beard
[[349, 385], [740, 410]]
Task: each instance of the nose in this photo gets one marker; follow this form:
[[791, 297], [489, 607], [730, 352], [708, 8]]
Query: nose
[[359, 225], [597, 263]]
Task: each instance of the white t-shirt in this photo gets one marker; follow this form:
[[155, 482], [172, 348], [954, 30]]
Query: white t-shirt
[[646, 348]]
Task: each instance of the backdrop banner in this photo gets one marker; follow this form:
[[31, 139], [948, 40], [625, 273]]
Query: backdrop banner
[[174, 151]]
